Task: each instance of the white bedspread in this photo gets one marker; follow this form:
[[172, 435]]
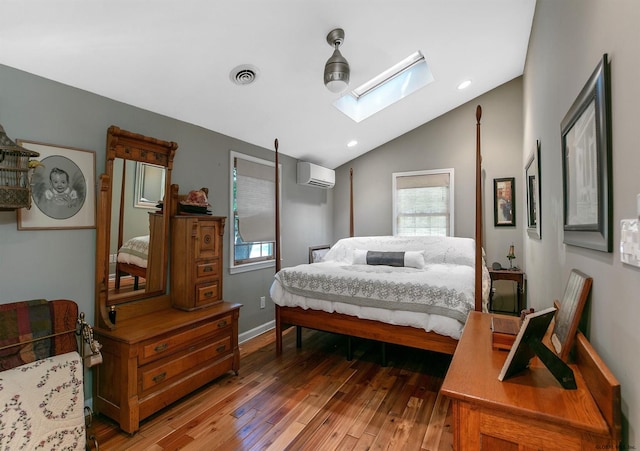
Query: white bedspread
[[436, 297], [42, 405], [135, 251]]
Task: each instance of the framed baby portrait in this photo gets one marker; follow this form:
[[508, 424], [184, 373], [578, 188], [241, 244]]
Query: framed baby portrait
[[62, 189]]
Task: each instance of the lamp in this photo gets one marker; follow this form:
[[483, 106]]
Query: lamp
[[336, 70], [511, 255]]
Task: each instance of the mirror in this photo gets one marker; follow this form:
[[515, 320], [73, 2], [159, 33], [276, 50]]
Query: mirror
[[133, 222], [136, 229]]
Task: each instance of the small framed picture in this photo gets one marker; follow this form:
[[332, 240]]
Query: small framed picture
[[62, 189], [504, 206], [569, 312], [532, 182]]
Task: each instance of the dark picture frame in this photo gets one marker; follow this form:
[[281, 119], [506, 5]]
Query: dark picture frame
[[504, 202], [569, 313], [534, 193], [73, 208], [586, 164]]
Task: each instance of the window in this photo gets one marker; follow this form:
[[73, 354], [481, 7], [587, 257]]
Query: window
[[423, 203], [253, 212]]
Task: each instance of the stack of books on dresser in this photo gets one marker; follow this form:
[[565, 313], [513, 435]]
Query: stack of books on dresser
[[504, 330]]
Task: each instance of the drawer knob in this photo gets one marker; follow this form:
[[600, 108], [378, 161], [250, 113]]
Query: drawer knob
[[221, 348], [222, 323], [159, 377], [162, 347], [208, 294], [207, 269]]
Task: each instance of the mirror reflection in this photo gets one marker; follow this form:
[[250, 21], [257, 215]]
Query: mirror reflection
[[149, 185], [136, 229]]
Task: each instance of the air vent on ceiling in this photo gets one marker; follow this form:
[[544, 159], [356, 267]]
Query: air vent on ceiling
[[244, 74]]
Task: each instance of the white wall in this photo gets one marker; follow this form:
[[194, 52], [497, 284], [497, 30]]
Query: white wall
[[568, 39]]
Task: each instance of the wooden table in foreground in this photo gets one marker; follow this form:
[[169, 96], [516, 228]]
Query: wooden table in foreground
[[528, 411]]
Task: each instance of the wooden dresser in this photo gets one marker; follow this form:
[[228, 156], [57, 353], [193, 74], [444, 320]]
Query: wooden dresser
[[196, 260], [529, 410], [152, 360]]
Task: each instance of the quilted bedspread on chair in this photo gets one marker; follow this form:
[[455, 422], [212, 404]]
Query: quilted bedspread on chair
[[43, 405]]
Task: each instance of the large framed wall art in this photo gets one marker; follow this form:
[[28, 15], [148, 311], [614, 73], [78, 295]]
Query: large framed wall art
[[586, 165], [63, 189]]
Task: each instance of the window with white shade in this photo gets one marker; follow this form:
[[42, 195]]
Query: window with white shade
[[253, 212], [423, 203]]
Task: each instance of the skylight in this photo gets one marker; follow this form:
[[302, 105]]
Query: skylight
[[394, 84]]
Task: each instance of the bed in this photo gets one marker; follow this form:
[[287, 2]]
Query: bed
[[344, 276], [132, 260], [41, 377]]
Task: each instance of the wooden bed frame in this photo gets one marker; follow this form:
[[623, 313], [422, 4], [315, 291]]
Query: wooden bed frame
[[355, 327], [123, 269]]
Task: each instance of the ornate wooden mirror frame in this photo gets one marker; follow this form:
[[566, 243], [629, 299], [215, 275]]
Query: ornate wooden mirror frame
[[124, 148]]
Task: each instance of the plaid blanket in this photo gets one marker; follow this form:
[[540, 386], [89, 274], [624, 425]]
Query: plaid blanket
[[22, 322]]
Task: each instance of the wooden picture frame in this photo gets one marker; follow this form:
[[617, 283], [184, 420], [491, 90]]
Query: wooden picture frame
[[586, 165], [534, 193], [569, 312], [504, 205], [63, 189]]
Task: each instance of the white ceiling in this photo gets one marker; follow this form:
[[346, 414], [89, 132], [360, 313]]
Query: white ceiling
[[174, 57]]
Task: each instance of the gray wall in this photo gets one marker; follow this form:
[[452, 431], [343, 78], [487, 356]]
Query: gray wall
[[446, 142], [568, 40], [54, 264]]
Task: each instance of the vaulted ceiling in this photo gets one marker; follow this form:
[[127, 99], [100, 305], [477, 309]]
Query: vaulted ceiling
[[175, 58]]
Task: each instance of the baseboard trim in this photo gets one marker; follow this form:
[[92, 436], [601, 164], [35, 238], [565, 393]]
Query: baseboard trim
[[248, 335]]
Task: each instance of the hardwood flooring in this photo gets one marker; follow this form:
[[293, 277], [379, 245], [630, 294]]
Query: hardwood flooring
[[309, 398]]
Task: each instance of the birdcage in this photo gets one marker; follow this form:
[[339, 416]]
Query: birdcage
[[15, 188]]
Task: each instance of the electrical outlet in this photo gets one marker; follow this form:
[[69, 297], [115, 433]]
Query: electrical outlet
[[262, 302]]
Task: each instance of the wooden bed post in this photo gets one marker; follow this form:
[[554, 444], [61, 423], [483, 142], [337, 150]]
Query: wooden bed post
[[351, 227], [478, 262], [278, 263]]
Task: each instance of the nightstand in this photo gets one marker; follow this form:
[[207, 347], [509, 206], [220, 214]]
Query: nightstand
[[514, 275]]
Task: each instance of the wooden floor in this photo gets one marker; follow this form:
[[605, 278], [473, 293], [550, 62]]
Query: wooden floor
[[310, 398]]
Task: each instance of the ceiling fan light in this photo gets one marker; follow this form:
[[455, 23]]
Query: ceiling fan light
[[336, 69], [336, 72]]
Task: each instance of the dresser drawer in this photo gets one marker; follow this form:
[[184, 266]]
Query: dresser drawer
[[161, 347], [207, 293], [155, 374], [206, 269]]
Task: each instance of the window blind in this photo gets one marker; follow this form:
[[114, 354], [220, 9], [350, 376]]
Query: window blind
[[255, 200], [422, 204]]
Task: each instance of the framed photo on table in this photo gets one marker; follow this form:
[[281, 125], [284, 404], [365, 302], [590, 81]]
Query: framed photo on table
[[504, 206], [586, 165], [62, 189], [569, 312]]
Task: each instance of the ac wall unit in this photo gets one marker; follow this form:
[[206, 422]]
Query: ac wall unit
[[313, 175]]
